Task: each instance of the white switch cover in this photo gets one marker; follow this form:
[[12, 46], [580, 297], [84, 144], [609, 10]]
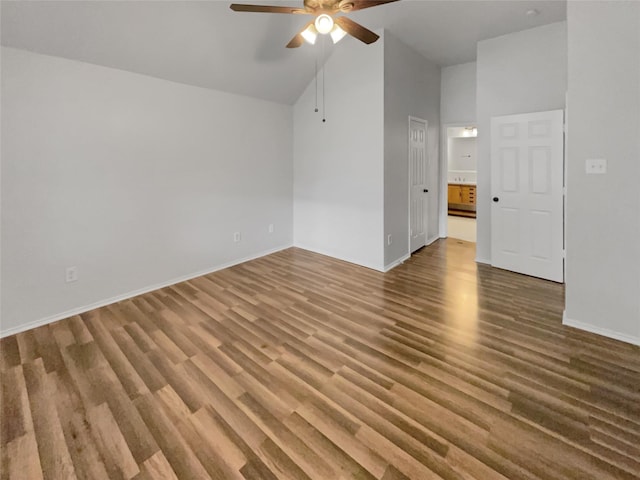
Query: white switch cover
[[271, 228], [71, 274], [596, 165], [237, 237]]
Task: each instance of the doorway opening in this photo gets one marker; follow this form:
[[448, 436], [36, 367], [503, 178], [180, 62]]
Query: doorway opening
[[461, 174]]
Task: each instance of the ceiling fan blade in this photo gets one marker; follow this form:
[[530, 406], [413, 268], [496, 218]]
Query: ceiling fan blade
[[353, 5], [298, 39], [356, 30], [295, 41], [241, 7]]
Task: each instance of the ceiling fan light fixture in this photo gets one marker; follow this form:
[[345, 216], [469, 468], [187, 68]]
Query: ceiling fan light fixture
[[324, 23], [310, 34], [470, 132], [337, 34]]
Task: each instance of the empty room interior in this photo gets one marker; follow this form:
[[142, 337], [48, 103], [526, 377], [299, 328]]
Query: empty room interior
[[320, 239]]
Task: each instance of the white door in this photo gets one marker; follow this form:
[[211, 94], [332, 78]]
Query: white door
[[418, 193], [527, 178]]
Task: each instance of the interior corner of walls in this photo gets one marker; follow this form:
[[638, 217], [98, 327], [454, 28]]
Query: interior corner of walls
[[328, 253], [605, 332], [396, 263]]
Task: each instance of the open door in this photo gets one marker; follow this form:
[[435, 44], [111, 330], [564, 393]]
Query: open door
[[418, 192], [527, 181]]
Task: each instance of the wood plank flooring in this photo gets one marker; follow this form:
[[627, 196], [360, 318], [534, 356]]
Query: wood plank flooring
[[297, 366]]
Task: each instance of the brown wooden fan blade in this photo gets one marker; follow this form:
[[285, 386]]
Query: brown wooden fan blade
[[298, 39], [241, 7], [353, 5], [356, 30]]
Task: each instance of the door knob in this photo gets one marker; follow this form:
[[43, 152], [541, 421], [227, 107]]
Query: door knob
[[425, 190], [496, 199]]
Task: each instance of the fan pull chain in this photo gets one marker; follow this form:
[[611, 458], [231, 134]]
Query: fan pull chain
[[324, 108], [316, 80], [324, 64]]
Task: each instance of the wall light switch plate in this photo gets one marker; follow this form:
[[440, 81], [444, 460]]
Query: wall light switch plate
[[596, 165], [71, 274], [237, 237]]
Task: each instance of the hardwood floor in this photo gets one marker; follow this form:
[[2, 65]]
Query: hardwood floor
[[299, 366]]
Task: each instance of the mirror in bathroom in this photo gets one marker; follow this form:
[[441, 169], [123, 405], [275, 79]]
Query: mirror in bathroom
[[461, 154]]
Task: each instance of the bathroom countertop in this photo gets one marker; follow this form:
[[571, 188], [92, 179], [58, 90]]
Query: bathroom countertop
[[462, 183]]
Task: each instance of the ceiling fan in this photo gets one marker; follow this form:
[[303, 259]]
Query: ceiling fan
[[325, 21]]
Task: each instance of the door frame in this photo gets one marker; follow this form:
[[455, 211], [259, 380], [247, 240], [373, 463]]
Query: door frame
[[443, 169], [426, 157]]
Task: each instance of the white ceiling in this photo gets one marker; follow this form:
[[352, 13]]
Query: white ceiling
[[206, 44]]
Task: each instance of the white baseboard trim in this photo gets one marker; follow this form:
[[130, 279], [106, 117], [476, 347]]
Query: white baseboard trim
[[431, 240], [605, 332], [483, 260], [403, 259], [397, 262], [333, 255], [134, 293]]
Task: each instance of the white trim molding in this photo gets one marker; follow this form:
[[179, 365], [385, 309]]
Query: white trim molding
[[605, 332], [431, 240], [378, 268], [397, 262], [406, 257], [118, 298]]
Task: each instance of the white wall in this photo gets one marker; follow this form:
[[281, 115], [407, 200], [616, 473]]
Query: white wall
[[411, 87], [458, 101], [338, 165], [136, 181], [517, 73], [462, 153], [603, 211]]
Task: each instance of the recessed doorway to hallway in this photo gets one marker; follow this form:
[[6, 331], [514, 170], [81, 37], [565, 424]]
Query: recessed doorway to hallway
[[461, 161]]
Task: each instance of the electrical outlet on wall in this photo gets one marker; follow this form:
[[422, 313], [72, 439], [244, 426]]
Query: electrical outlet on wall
[[237, 237], [71, 274], [596, 165]]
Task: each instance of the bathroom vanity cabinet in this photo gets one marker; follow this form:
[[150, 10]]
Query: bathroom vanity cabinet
[[462, 199]]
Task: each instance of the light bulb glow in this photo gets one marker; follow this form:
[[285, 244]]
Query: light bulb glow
[[324, 23], [470, 132], [337, 34], [310, 34]]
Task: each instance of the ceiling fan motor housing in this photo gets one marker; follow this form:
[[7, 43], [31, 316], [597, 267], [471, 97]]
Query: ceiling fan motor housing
[[346, 6], [324, 22]]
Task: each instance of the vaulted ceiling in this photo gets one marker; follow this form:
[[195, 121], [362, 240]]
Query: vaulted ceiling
[[204, 43]]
